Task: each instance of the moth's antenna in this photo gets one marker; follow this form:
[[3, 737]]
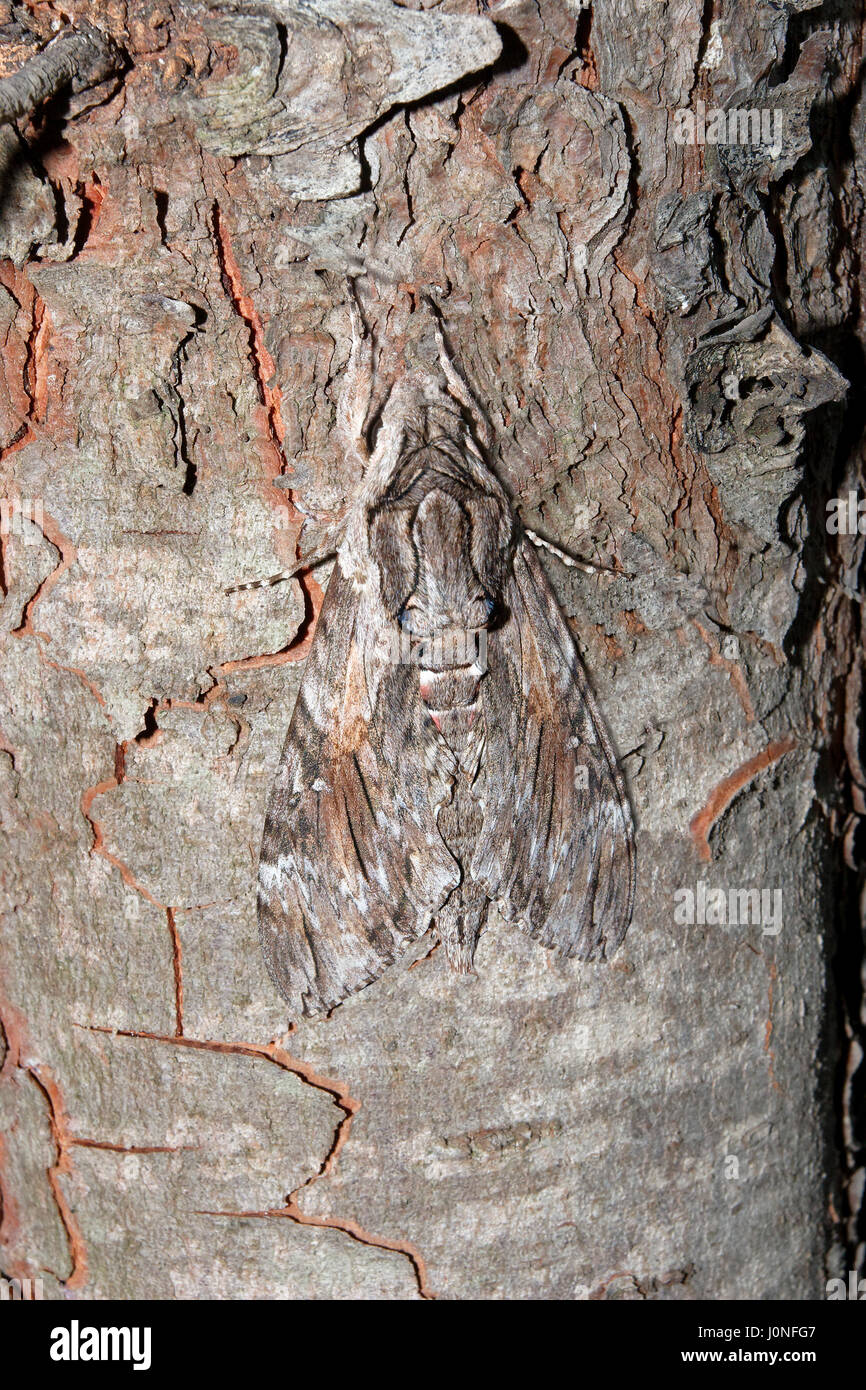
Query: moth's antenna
[[585, 565], [309, 563]]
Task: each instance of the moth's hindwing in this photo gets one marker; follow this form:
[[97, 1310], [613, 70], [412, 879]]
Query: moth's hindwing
[[557, 846], [352, 866]]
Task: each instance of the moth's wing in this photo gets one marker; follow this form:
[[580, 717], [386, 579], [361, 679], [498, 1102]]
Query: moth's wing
[[557, 847], [352, 866]]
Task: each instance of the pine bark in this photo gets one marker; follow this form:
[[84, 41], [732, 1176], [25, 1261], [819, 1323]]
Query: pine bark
[[667, 336]]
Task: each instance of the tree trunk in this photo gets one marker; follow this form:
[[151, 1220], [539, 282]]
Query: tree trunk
[[661, 326]]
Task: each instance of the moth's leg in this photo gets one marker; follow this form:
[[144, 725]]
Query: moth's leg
[[355, 402], [398, 409], [354, 398], [569, 560], [460, 389]]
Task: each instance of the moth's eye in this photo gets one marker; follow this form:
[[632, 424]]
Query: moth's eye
[[489, 605], [404, 617]]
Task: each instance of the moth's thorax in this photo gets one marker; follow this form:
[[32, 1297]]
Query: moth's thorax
[[449, 596], [440, 535]]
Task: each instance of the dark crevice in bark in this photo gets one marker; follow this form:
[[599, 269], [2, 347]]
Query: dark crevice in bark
[[588, 77], [160, 198]]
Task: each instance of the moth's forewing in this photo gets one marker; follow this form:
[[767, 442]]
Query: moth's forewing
[[557, 847], [352, 867]]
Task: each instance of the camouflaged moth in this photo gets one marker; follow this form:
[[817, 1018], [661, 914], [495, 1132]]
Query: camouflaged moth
[[445, 752]]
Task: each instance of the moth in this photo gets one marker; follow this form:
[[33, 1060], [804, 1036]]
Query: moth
[[445, 752]]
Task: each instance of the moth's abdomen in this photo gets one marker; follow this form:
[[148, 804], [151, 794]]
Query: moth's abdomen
[[451, 699], [451, 666], [450, 673]]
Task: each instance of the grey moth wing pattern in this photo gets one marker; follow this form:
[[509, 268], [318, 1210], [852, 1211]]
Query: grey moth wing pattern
[[445, 752], [557, 855], [352, 867]]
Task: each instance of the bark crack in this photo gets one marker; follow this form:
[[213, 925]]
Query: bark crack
[[723, 794], [274, 1053], [270, 395], [99, 847], [68, 554], [58, 1121]]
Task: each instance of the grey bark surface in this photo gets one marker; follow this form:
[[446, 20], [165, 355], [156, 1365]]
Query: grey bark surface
[[663, 335]]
